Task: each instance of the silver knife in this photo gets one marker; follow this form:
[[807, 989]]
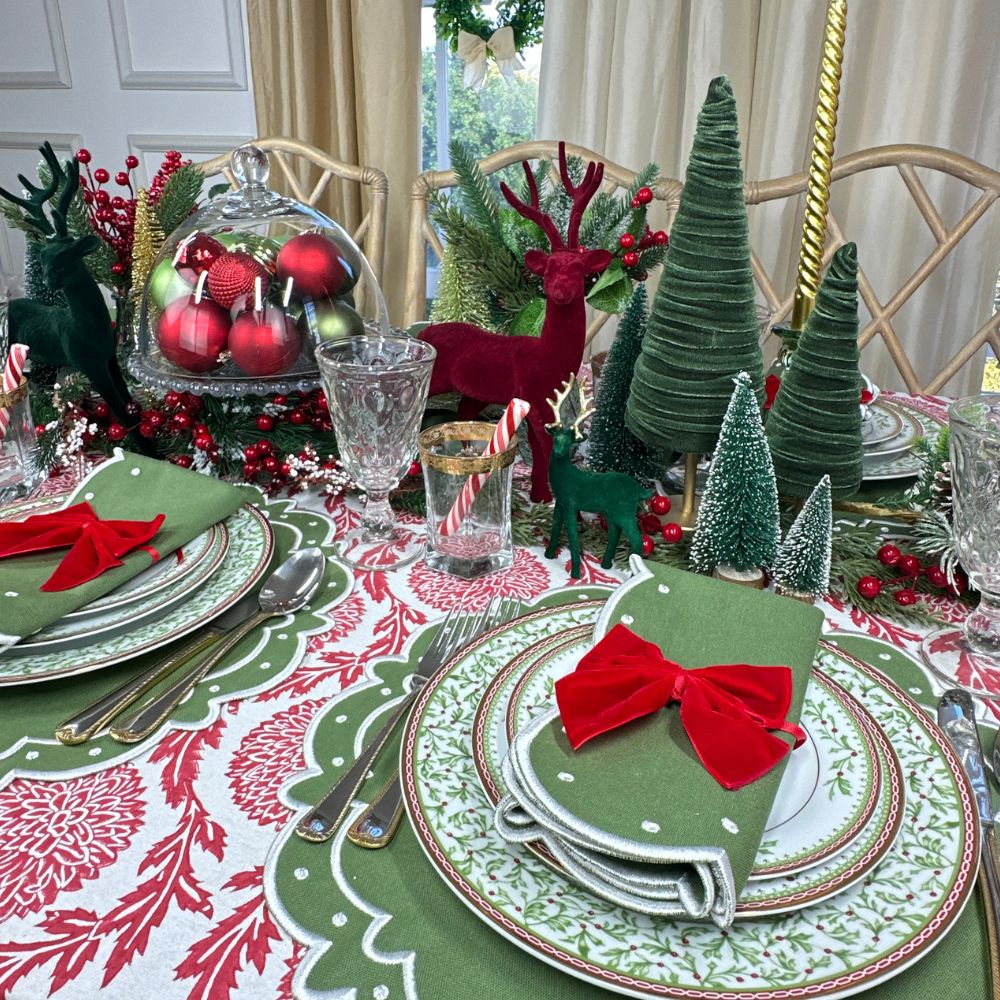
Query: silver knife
[[956, 715]]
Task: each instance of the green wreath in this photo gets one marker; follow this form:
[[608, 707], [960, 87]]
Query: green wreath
[[523, 16]]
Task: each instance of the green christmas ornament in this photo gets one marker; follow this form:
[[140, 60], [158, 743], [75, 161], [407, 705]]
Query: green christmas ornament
[[802, 567], [613, 447], [814, 426], [329, 319], [263, 249], [703, 326], [737, 526], [165, 285]]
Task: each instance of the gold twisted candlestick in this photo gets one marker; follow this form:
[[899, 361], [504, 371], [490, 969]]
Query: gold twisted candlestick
[[821, 161]]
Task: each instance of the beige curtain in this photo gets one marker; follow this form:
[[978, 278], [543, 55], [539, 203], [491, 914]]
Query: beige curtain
[[627, 77], [344, 75]]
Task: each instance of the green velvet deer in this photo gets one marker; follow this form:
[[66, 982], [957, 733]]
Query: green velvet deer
[[612, 494], [78, 335]]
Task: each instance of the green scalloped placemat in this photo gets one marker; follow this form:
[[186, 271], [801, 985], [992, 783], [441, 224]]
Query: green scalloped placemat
[[29, 713], [384, 924]]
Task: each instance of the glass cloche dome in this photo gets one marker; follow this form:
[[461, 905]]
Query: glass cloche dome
[[243, 290]]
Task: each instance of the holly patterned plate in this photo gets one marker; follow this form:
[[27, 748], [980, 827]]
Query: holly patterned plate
[[901, 465], [866, 794], [251, 543], [834, 948]]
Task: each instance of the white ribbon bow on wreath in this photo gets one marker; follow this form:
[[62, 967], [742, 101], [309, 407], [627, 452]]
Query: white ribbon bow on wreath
[[473, 51]]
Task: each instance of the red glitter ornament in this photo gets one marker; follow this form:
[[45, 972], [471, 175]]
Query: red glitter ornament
[[660, 504], [196, 254], [193, 334], [315, 266], [868, 587], [233, 276], [905, 596], [672, 532], [265, 342], [889, 555]]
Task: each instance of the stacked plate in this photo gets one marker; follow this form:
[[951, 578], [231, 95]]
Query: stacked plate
[[869, 853], [889, 430], [171, 599]]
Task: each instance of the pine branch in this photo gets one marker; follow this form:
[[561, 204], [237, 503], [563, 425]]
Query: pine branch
[[475, 193], [179, 197]]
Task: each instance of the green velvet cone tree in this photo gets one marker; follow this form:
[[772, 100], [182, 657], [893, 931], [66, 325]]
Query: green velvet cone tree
[[613, 447], [737, 525], [802, 566], [702, 329], [814, 425]]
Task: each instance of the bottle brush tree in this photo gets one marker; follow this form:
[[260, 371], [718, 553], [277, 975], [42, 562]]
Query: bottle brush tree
[[737, 524], [803, 562]]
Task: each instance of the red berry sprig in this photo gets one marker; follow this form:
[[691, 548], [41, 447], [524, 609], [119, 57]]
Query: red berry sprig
[[113, 217]]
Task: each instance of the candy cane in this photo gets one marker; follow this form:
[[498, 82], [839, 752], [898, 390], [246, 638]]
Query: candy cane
[[13, 371], [517, 410]]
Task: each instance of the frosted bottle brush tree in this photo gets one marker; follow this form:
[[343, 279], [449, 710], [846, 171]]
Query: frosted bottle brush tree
[[802, 567], [737, 527]]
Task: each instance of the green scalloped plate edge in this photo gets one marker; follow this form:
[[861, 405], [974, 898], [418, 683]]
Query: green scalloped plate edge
[[337, 733], [242, 673]]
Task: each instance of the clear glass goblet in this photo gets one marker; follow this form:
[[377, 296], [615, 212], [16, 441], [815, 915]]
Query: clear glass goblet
[[377, 389], [970, 657]]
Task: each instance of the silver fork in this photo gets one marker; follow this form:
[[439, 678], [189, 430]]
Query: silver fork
[[322, 822], [377, 825]]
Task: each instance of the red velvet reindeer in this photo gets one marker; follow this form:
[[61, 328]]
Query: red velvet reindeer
[[492, 368]]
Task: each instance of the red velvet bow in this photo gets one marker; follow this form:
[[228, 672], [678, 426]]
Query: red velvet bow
[[727, 711], [95, 545]]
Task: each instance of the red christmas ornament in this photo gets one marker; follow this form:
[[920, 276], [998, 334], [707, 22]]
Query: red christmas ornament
[[626, 241], [234, 276], [196, 254], [660, 504], [630, 259], [265, 342], [868, 587], [660, 238], [315, 267], [265, 423], [905, 596], [909, 566], [644, 195], [193, 334], [647, 545], [116, 432], [672, 532], [936, 576], [888, 555]]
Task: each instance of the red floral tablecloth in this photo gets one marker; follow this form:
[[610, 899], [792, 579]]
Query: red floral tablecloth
[[146, 878]]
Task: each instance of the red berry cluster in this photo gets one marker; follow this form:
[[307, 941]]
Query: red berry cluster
[[905, 572], [113, 216], [627, 241]]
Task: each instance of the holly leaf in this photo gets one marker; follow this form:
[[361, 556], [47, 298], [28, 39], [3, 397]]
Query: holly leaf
[[530, 319], [613, 289]]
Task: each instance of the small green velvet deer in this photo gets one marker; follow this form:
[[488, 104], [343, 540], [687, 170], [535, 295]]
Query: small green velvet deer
[[78, 335], [612, 494]]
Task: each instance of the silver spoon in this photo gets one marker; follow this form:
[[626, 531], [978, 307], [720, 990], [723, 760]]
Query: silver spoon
[[289, 588]]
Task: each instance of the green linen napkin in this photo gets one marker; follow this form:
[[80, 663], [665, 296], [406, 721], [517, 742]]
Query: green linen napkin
[[125, 487], [633, 814]]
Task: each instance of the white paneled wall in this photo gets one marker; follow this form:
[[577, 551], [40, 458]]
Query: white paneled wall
[[119, 77]]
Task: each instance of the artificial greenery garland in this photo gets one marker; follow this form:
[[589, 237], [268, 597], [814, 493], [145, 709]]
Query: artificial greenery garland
[[524, 17]]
